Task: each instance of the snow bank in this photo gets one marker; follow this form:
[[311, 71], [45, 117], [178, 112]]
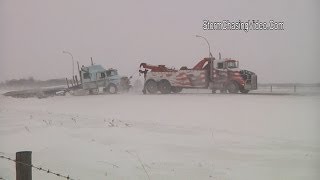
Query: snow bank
[[183, 136]]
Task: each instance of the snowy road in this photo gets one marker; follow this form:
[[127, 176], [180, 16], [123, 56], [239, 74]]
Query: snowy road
[[184, 136]]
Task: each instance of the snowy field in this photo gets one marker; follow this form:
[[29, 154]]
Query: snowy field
[[184, 136]]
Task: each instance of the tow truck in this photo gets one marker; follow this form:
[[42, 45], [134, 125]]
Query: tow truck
[[221, 74]]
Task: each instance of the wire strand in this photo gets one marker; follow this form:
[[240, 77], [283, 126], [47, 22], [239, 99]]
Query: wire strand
[[37, 168]]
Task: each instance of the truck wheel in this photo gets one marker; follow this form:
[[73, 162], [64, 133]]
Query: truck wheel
[[223, 91], [244, 91], [112, 89], [176, 89], [164, 87], [94, 91], [233, 88], [151, 86]]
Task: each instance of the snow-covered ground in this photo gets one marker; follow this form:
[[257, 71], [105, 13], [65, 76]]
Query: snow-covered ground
[[183, 136]]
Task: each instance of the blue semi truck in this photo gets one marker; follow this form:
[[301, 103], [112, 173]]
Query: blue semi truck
[[95, 77]]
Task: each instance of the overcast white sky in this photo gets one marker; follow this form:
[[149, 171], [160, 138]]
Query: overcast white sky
[[121, 34]]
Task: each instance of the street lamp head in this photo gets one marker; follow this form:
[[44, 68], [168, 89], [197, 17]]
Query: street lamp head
[[197, 36]]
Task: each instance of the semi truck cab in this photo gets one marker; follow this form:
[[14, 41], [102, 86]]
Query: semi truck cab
[[227, 70], [95, 77]]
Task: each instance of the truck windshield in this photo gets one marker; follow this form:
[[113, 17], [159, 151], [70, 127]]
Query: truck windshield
[[232, 64], [112, 73]]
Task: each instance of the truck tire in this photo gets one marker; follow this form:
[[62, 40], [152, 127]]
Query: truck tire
[[151, 86], [93, 91], [244, 91], [176, 89], [164, 86], [233, 87], [144, 91], [223, 91], [112, 89]]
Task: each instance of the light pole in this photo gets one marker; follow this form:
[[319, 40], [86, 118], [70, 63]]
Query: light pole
[[66, 52], [210, 55]]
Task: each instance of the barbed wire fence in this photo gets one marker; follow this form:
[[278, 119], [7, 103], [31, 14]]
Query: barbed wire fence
[[36, 168]]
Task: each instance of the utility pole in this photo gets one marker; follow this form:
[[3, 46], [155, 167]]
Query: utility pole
[[210, 56], [67, 52]]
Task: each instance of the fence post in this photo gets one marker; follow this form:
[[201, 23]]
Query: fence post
[[295, 88], [23, 172], [271, 88]]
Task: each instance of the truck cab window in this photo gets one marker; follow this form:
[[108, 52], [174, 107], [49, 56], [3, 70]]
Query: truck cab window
[[232, 64], [113, 73], [220, 65], [102, 75], [108, 73], [86, 75]]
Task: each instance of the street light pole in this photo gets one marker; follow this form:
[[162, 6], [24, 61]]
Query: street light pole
[[66, 52], [210, 56]]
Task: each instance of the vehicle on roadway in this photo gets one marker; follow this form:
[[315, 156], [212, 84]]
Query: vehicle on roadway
[[222, 74]]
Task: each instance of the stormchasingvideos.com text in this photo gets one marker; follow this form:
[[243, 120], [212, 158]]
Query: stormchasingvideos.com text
[[250, 25]]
